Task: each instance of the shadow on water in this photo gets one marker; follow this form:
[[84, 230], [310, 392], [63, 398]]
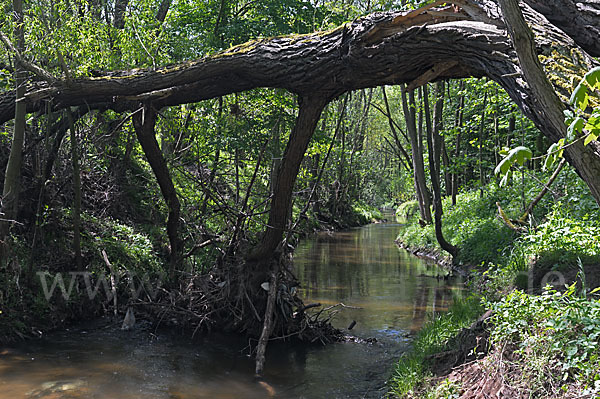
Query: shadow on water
[[362, 268]]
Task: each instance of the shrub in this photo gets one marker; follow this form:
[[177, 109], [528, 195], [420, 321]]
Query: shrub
[[555, 334]]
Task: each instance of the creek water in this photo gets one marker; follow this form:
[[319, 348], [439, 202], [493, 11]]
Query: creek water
[[389, 295]]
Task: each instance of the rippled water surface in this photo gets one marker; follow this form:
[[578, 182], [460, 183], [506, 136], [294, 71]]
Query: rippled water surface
[[362, 268]]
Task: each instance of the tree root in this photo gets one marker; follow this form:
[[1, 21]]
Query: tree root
[[235, 296]]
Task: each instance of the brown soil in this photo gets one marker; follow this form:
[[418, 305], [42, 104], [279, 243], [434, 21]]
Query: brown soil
[[499, 376], [470, 344]]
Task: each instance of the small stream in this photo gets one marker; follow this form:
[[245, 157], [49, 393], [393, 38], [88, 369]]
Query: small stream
[[362, 268]]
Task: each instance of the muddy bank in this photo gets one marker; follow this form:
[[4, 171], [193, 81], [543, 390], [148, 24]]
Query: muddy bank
[[434, 255]]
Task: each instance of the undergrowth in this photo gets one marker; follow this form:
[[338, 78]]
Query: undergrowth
[[412, 368], [550, 343], [556, 337]]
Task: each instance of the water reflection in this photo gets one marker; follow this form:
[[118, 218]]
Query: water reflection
[[362, 268]]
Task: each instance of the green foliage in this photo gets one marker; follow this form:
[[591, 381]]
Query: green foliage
[[517, 155], [556, 334], [471, 225], [581, 99], [367, 213], [408, 210], [412, 368], [126, 248], [561, 239], [555, 152]]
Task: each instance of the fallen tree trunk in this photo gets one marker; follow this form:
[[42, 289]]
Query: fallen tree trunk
[[578, 19]]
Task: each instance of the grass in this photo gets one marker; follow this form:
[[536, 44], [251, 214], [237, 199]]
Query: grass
[[553, 339], [412, 368], [471, 224]]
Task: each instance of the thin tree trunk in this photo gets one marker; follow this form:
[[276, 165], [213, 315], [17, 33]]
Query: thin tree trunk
[[12, 177], [417, 156], [215, 166], [394, 132], [261, 347], [446, 164], [458, 125], [434, 146], [163, 9], [76, 192], [481, 138], [119, 16], [144, 122], [543, 192]]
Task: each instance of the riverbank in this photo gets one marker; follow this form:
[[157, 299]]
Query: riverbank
[[123, 266], [387, 296], [534, 342]]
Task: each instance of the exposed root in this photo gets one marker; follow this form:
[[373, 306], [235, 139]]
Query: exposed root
[[233, 297]]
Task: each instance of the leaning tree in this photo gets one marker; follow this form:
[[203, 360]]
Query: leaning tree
[[459, 39]]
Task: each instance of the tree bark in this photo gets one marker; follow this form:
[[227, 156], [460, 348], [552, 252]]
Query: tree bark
[[144, 122], [458, 125], [414, 47], [409, 107], [163, 9], [76, 192], [434, 145], [119, 16], [308, 116], [585, 159], [480, 149], [578, 19], [12, 177], [402, 154]]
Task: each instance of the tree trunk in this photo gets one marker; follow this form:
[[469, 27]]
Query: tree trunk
[[550, 108], [480, 149], [215, 165], [12, 177], [163, 9], [431, 43], [402, 154], [434, 145], [458, 125], [120, 9], [144, 122], [417, 156], [579, 19], [76, 192], [308, 116], [446, 164]]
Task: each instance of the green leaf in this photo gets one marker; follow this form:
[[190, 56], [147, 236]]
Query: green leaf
[[590, 137], [520, 154], [504, 180], [593, 77], [503, 166], [549, 162], [516, 155], [575, 128], [579, 98], [568, 114]]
